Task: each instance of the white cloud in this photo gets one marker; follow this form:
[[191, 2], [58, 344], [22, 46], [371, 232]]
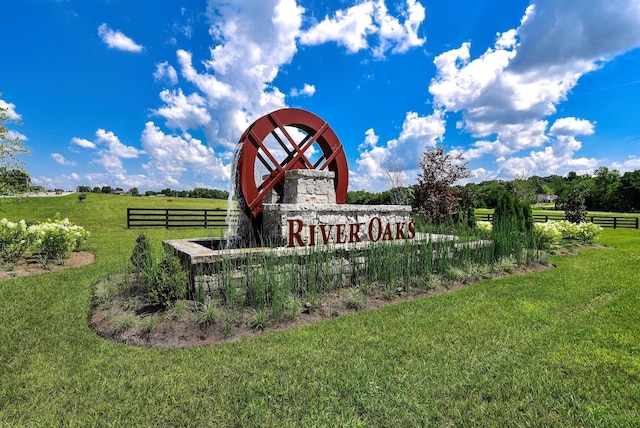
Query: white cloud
[[117, 40], [115, 147], [505, 94], [83, 143], [349, 28], [13, 135], [632, 163], [12, 116], [59, 159], [236, 81], [10, 110], [570, 126], [111, 163], [235, 85], [307, 91], [354, 27], [183, 112], [166, 71], [170, 156], [399, 155]]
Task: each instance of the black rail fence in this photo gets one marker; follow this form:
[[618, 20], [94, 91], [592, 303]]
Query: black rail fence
[[217, 217], [177, 217], [604, 221]]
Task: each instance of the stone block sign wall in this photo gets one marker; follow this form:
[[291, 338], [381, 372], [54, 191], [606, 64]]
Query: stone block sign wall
[[300, 225]]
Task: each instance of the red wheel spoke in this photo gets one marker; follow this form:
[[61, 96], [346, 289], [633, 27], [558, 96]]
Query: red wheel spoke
[[300, 154], [258, 143], [282, 144], [331, 158]]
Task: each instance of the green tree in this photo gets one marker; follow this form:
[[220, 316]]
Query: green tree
[[630, 191], [523, 189], [575, 209], [605, 193], [11, 166]]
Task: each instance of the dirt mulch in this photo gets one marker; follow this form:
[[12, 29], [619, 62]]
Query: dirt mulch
[[177, 327], [33, 265]]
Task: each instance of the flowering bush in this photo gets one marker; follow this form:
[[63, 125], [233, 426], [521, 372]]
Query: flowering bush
[[547, 234], [585, 232], [56, 240], [589, 232], [15, 240], [484, 228], [552, 232]]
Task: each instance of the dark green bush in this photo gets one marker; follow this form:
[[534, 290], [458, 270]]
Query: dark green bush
[[512, 227], [168, 282], [141, 258]]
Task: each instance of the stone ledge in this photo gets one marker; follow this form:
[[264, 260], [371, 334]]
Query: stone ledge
[[338, 208], [200, 254]]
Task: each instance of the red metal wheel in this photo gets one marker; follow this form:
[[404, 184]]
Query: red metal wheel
[[270, 145]]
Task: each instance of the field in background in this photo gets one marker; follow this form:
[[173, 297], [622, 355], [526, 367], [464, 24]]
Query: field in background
[[555, 348]]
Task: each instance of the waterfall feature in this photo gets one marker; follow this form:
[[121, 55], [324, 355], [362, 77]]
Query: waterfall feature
[[232, 218]]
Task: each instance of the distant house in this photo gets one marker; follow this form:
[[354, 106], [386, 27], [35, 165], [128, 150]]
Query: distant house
[[542, 198]]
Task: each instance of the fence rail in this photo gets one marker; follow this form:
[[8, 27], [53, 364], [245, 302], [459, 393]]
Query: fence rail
[[177, 217], [604, 221]]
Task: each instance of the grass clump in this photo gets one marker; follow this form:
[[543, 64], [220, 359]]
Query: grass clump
[[355, 299], [258, 318], [149, 324], [206, 313], [124, 323]]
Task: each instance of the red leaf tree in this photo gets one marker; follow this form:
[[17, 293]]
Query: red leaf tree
[[435, 196]]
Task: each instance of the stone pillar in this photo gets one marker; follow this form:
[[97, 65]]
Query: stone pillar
[[309, 186]]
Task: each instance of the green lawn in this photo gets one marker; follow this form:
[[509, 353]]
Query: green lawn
[[554, 348]]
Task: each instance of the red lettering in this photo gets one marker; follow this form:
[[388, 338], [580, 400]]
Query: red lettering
[[377, 229], [325, 234], [400, 230], [295, 234], [312, 235], [412, 230], [354, 233], [387, 236], [341, 238]]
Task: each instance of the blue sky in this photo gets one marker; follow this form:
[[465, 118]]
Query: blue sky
[[155, 94]]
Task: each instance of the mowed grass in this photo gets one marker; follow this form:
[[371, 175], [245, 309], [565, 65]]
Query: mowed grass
[[553, 348]]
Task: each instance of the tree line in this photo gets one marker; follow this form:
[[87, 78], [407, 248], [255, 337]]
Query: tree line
[[198, 192], [605, 190]]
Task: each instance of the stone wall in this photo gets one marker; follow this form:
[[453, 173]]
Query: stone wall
[[295, 225]]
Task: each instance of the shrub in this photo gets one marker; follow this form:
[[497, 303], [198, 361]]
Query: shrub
[[141, 257], [546, 235], [484, 228], [56, 240], [512, 226], [168, 283], [575, 208], [15, 240], [588, 232], [554, 231]]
